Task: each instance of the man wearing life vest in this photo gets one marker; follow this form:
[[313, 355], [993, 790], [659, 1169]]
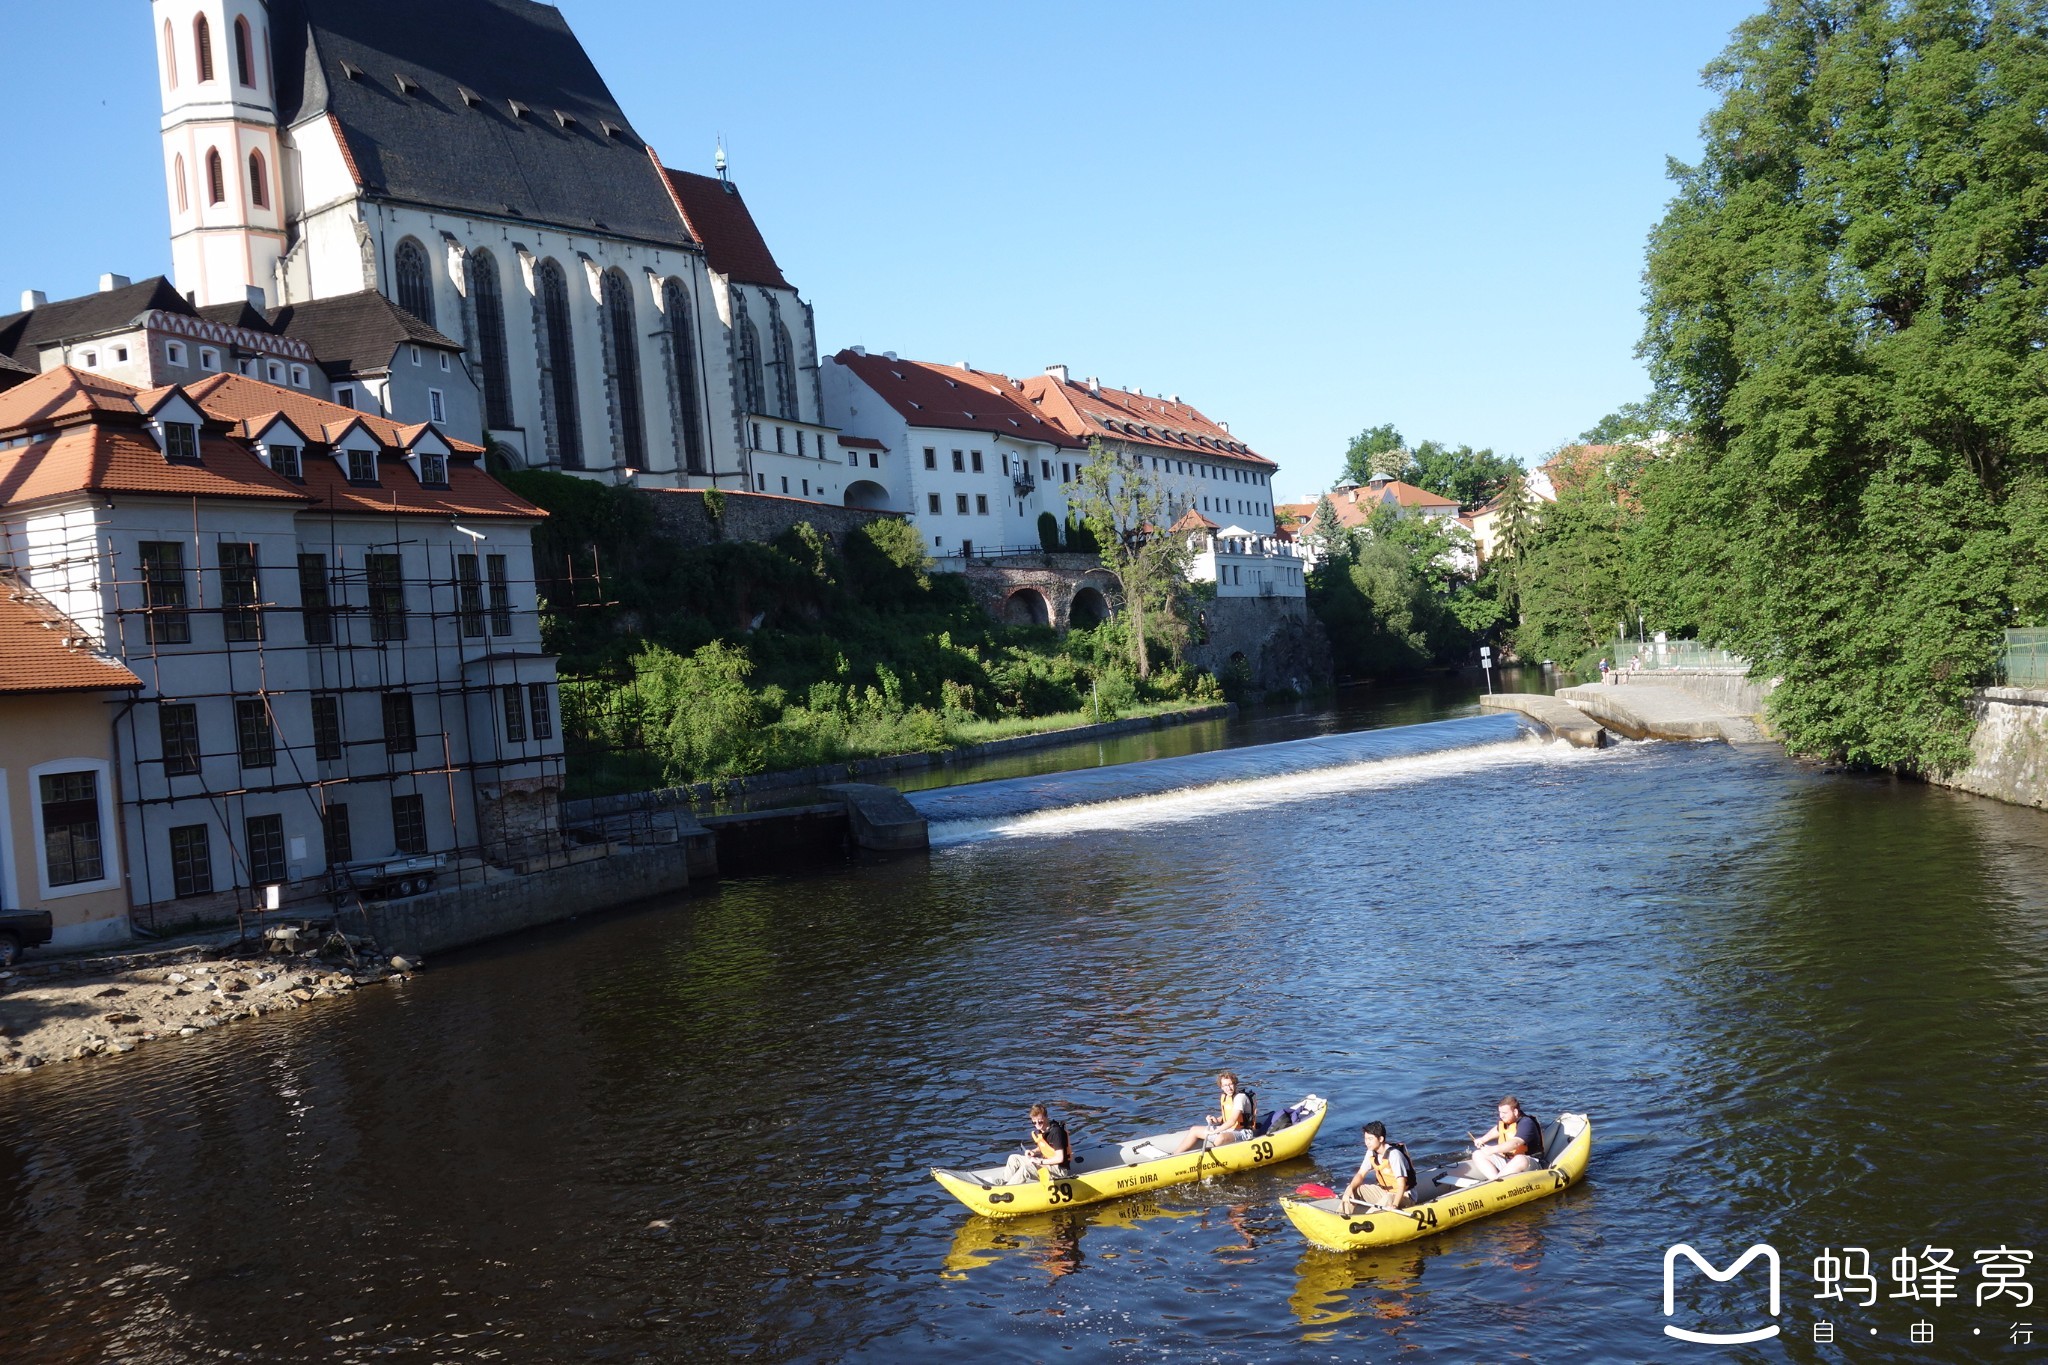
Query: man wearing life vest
[[1385, 1178], [1046, 1149], [1232, 1122], [1514, 1144]]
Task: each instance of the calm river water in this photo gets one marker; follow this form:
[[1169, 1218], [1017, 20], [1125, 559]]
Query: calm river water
[[1802, 1009]]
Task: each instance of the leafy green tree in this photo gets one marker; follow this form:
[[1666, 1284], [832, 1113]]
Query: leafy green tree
[[1574, 579], [1471, 476], [1843, 300], [1631, 423], [1371, 449], [1048, 533], [1128, 513]]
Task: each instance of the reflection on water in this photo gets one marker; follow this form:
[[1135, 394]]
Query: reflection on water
[[1799, 1008]]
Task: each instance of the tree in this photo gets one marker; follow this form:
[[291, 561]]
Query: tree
[[1632, 423], [1128, 514], [1370, 449], [1326, 535], [1574, 579], [1843, 300], [1471, 476]]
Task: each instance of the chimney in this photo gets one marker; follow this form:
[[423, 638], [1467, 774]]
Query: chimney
[[889, 355], [1174, 399], [1094, 384], [1058, 372], [32, 299], [967, 367], [257, 298], [109, 283], [858, 350], [1225, 426]]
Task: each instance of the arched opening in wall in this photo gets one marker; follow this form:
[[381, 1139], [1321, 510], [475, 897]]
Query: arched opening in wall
[[216, 183], [561, 361], [170, 56], [625, 349], [178, 174], [245, 55], [202, 48], [1026, 607], [1090, 608], [259, 182], [415, 280], [675, 305], [866, 493], [493, 367]]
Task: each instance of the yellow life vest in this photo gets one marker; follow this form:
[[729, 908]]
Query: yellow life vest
[[1504, 1132]]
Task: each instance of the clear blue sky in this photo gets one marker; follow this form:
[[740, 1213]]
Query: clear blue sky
[[1303, 219]]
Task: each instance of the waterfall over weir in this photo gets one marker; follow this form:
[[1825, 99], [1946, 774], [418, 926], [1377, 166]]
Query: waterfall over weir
[[1188, 786]]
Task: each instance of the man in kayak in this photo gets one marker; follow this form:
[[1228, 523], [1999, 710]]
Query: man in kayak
[[1385, 1178], [1232, 1124], [1514, 1144], [1048, 1151]]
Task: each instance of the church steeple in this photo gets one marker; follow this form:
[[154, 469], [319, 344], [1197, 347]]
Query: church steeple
[[222, 170]]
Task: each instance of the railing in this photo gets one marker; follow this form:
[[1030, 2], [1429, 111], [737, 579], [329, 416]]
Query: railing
[[2025, 661], [1649, 656]]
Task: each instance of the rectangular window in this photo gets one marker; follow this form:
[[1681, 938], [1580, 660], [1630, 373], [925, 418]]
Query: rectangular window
[[334, 832], [1066, 472], [959, 462], [362, 466], [515, 714], [469, 595], [433, 468], [415, 354], [874, 459], [778, 441], [178, 725], [387, 596], [1045, 470], [253, 733], [542, 709], [174, 353], [960, 501], [240, 592], [931, 458], [265, 838], [71, 828], [800, 441], [975, 456], [409, 823], [853, 458], [284, 460], [345, 396], [1006, 464], [314, 613], [163, 581], [181, 441], [437, 407], [932, 501], [399, 735], [807, 488], [191, 860], [327, 728], [501, 595], [981, 504], [761, 483], [757, 436]]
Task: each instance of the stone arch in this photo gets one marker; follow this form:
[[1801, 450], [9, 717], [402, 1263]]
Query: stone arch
[[868, 494], [414, 280], [1090, 607], [1027, 607]]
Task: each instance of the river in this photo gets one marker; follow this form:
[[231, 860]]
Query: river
[[1803, 1009]]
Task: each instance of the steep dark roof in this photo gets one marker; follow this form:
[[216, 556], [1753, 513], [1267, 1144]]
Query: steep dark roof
[[238, 314], [718, 217], [13, 372], [354, 333], [429, 145], [87, 315]]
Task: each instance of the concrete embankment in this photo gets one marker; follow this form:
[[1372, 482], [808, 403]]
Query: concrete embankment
[[2009, 750], [1561, 719], [1642, 709]]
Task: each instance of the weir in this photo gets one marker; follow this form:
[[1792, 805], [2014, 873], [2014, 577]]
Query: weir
[[1010, 798]]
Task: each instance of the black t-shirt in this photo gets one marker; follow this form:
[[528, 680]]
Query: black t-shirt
[[1055, 1134], [1531, 1134]]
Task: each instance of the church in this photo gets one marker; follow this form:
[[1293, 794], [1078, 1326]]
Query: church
[[465, 161]]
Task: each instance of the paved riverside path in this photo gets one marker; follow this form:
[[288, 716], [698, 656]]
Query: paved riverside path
[[1562, 719], [1652, 710]]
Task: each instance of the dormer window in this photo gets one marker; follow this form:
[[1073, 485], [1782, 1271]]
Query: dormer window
[[181, 442], [469, 96], [362, 465], [433, 468], [284, 460]]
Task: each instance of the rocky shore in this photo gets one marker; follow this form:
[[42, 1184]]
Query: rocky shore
[[66, 1010]]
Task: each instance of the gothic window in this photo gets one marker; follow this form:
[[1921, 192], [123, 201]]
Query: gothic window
[[202, 48], [216, 182], [259, 183], [415, 281], [625, 339], [178, 173], [245, 61], [554, 304], [490, 326], [785, 373], [170, 56], [675, 302], [753, 387]]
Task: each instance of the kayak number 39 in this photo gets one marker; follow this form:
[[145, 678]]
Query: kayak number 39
[[1262, 1151], [1062, 1193]]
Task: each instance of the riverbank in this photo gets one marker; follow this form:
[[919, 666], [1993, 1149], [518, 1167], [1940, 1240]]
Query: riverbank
[[68, 1009]]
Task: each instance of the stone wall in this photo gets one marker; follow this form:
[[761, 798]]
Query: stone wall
[[2009, 749], [1725, 687], [683, 515], [1281, 641]]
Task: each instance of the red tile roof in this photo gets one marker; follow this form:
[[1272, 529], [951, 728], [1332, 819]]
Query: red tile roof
[[1136, 419], [236, 397], [42, 650], [718, 218], [946, 396], [1355, 506], [1191, 520], [864, 442], [62, 395], [104, 458]]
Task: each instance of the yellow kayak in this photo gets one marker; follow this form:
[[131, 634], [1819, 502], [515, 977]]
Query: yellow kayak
[[1452, 1196], [1139, 1166]]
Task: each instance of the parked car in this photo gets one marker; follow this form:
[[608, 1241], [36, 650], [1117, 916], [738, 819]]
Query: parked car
[[20, 930], [395, 879]]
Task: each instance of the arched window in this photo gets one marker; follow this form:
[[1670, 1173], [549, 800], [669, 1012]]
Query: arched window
[[625, 348], [785, 373], [178, 174], [415, 281], [216, 183], [259, 183], [202, 48], [675, 302], [554, 307], [753, 388], [490, 327], [245, 57], [170, 56]]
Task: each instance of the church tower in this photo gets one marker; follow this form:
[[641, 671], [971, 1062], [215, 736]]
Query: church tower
[[222, 167]]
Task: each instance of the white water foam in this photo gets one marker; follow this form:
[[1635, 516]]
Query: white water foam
[[1206, 801]]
